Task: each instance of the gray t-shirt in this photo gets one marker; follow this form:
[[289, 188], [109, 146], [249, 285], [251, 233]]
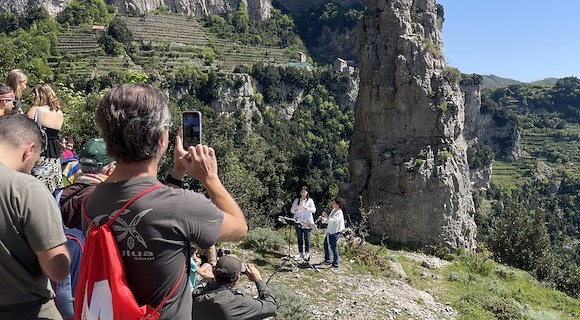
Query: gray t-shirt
[[29, 221], [154, 236]]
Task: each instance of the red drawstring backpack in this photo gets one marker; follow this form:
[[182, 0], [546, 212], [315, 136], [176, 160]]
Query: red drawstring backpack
[[102, 291]]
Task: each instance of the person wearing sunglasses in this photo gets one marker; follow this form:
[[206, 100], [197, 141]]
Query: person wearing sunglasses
[[6, 99]]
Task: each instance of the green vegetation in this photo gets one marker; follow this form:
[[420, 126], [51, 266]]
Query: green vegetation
[[326, 16], [296, 130], [263, 240], [290, 305], [473, 79], [451, 74], [279, 31], [529, 218], [479, 156], [86, 12]]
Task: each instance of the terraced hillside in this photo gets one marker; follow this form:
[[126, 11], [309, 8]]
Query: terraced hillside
[[171, 40], [557, 149], [78, 41], [231, 54], [167, 56], [167, 28], [164, 42], [81, 55], [79, 50], [557, 146]]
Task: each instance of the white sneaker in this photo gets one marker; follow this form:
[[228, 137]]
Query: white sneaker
[[298, 255], [306, 256]]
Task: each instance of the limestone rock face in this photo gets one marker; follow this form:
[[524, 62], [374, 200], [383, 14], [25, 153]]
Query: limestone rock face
[[257, 9], [237, 97], [502, 135], [338, 43], [301, 6], [53, 7], [408, 160]]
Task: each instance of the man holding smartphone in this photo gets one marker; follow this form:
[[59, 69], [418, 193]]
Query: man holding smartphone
[[221, 300], [154, 234]]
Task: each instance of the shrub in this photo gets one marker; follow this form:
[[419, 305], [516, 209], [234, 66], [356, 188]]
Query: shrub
[[263, 240], [451, 74], [480, 262], [441, 251], [442, 156], [442, 107], [290, 305], [505, 273], [473, 79], [479, 156], [431, 48], [504, 309]]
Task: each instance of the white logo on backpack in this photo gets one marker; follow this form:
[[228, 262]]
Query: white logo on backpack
[[101, 302]]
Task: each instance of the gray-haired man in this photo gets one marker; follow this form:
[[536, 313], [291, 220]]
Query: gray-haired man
[[155, 233]]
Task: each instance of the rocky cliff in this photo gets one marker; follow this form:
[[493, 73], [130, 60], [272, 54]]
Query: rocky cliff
[[336, 43], [301, 6], [502, 134], [21, 6], [408, 158], [239, 96], [258, 9]]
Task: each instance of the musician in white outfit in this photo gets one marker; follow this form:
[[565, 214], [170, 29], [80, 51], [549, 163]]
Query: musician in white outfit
[[335, 227], [302, 209]]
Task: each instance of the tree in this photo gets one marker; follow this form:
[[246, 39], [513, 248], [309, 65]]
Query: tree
[[241, 18], [119, 31], [88, 11], [520, 238]]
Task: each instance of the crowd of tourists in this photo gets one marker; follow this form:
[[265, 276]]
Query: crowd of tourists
[[93, 233]]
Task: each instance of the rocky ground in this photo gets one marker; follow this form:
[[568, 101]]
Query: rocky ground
[[349, 293]]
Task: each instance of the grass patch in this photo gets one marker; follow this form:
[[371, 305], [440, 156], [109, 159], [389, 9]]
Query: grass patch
[[505, 294]]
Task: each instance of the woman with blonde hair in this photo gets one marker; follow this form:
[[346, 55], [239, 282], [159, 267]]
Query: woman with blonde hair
[[17, 80], [46, 112]]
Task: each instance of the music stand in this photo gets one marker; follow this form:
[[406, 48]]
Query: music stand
[[288, 260]]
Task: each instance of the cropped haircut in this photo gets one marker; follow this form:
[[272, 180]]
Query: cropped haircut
[[13, 78], [43, 95], [132, 119], [17, 130]]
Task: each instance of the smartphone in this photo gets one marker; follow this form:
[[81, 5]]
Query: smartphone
[[191, 123], [244, 268]]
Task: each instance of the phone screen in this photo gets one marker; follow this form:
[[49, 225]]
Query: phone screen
[[191, 122]]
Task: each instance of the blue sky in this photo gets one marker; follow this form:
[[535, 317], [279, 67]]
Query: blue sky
[[518, 39]]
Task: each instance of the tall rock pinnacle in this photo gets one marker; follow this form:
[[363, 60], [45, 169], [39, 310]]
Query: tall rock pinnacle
[[408, 159]]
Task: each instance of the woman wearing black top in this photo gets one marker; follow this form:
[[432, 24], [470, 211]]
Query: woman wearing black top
[[48, 115]]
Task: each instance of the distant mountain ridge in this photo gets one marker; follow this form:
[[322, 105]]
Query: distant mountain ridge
[[492, 80]]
